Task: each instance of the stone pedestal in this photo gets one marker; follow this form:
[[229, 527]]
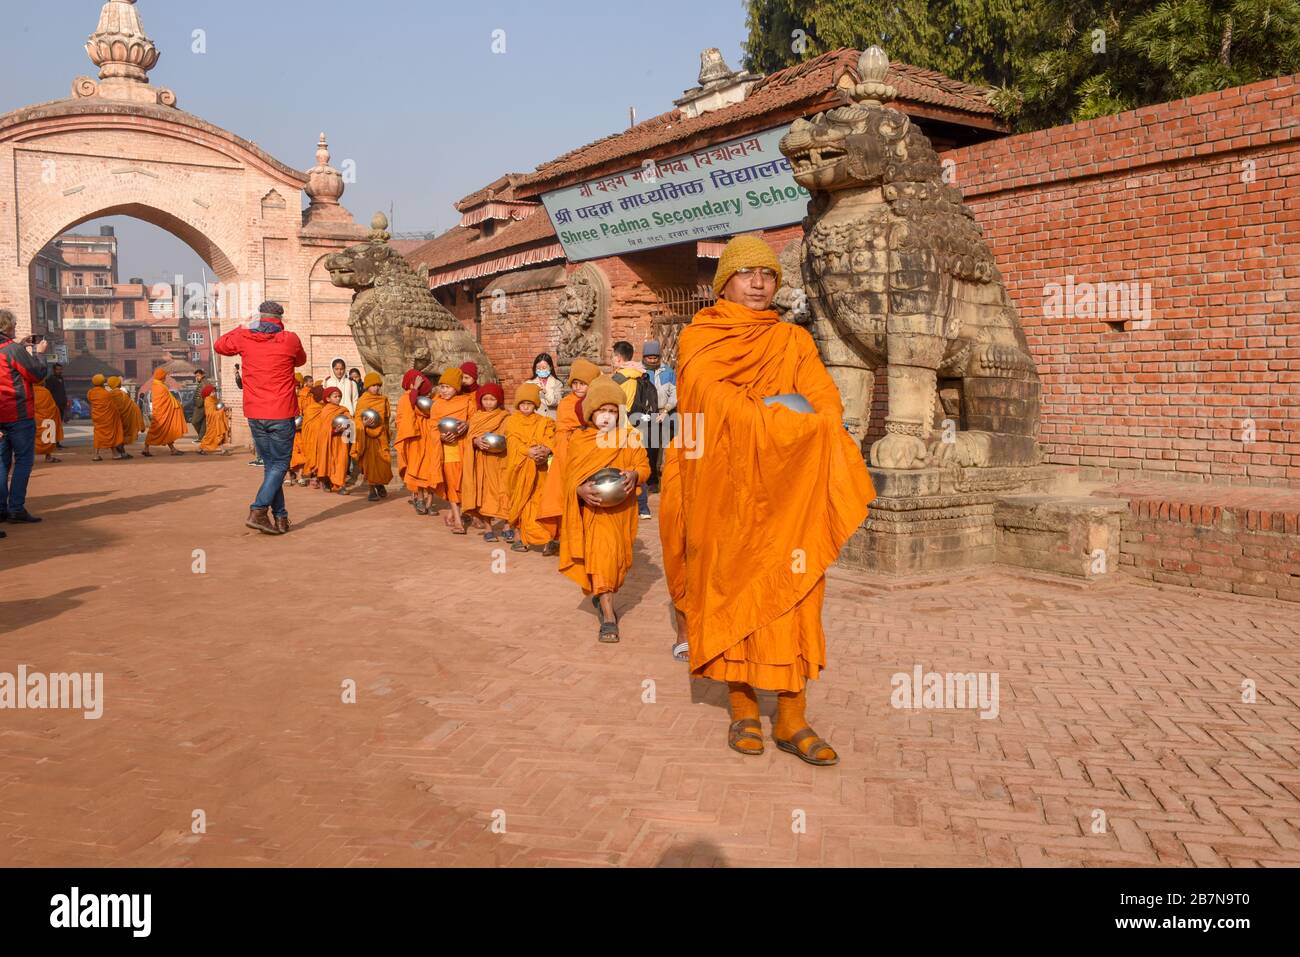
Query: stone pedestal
[[930, 520]]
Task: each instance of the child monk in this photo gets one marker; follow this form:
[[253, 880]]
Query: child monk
[[483, 486], [568, 419], [216, 423], [370, 442], [596, 540], [106, 419], [310, 428], [167, 416], [128, 411], [419, 449], [529, 438], [331, 446], [469, 379], [49, 423], [450, 402]]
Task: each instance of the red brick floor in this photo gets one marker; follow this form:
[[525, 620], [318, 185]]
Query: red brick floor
[[482, 693]]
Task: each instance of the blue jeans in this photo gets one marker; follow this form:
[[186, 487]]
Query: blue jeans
[[17, 453], [273, 439]]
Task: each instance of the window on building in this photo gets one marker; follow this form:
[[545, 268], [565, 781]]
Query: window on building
[[101, 340], [51, 315], [195, 358], [78, 278], [79, 341], [101, 279], [157, 338], [128, 339], [196, 338], [128, 310], [128, 367]]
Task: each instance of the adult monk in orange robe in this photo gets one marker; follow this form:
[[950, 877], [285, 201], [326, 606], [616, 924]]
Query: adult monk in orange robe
[[106, 419], [310, 430], [331, 446], [370, 442], [767, 500], [167, 416], [450, 402], [530, 438], [596, 540], [419, 447], [567, 421], [49, 422], [132, 418], [216, 422], [483, 494]]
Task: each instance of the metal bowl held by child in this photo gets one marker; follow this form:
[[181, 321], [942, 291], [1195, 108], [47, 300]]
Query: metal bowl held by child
[[448, 427], [494, 441], [608, 486], [297, 423], [221, 407], [340, 424], [424, 404], [791, 400], [371, 418]]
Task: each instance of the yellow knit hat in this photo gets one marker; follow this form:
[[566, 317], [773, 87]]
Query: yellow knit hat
[[97, 379], [528, 392], [452, 377], [372, 378], [297, 377], [584, 370], [602, 391], [744, 252], [114, 381]]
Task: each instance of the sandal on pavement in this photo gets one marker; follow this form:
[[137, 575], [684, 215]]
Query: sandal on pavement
[[806, 754], [518, 545], [745, 729], [490, 537], [608, 633], [459, 530], [682, 651], [147, 454]]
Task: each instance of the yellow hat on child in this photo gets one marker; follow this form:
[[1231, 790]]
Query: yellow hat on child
[[528, 392]]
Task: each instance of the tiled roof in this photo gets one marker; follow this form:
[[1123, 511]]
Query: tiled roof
[[502, 188], [803, 83], [462, 244]]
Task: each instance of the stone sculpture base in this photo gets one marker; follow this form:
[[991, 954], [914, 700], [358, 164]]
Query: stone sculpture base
[[935, 520]]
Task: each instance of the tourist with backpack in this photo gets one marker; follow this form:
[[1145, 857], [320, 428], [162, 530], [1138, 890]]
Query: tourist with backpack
[[642, 404]]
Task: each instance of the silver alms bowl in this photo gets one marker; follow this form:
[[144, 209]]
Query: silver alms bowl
[[608, 485], [221, 407], [448, 427], [495, 441], [340, 423], [424, 404], [297, 423], [791, 400], [371, 418]]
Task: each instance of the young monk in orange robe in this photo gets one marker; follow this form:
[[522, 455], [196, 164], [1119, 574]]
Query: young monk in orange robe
[[167, 416], [567, 421], [450, 402], [310, 434], [370, 442], [483, 493], [106, 419], [216, 423], [331, 446], [296, 457], [49, 423], [596, 540], [529, 438], [128, 412], [757, 540], [419, 448]]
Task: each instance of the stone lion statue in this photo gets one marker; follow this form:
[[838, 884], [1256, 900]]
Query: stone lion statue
[[894, 272], [396, 322]]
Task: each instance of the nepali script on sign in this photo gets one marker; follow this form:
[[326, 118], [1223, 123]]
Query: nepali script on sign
[[738, 186]]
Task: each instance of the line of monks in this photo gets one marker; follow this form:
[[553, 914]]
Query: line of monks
[[119, 423]]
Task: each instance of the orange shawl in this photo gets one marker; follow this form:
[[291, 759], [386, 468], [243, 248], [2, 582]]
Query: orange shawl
[[483, 482], [331, 450], [216, 425], [419, 449], [370, 444], [304, 397], [767, 499], [167, 418], [49, 421], [107, 420], [566, 424], [524, 479], [596, 543], [129, 412]]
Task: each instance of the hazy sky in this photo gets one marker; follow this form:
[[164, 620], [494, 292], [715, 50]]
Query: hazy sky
[[410, 91]]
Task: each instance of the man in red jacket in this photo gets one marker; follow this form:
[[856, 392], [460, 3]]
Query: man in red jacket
[[21, 367], [270, 356]]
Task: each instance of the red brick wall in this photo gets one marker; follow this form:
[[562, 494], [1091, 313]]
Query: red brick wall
[[513, 337], [1199, 198]]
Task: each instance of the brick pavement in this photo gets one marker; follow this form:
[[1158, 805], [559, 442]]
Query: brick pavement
[[223, 693]]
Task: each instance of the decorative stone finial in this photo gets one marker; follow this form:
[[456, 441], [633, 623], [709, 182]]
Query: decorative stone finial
[[125, 55], [873, 65], [379, 229], [324, 182], [713, 67]]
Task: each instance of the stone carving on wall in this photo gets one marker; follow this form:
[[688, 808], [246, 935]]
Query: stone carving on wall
[[895, 273], [395, 321], [583, 319]]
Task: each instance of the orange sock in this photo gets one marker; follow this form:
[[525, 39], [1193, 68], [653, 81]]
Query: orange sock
[[790, 720], [744, 704]]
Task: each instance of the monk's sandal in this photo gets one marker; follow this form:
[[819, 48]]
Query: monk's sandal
[[745, 729]]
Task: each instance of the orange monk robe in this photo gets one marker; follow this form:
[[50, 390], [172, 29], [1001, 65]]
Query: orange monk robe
[[331, 449], [307, 437], [454, 454], [419, 449], [370, 443], [566, 424], [167, 422], [523, 477], [105, 417], [216, 425], [483, 479], [49, 421], [672, 532], [129, 412], [596, 543], [304, 396], [768, 498]]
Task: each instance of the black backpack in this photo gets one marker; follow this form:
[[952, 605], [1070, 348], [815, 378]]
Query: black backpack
[[645, 400]]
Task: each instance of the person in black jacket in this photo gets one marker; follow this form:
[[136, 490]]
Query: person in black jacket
[[54, 382], [198, 414]]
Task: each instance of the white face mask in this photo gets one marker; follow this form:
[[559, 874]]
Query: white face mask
[[543, 373]]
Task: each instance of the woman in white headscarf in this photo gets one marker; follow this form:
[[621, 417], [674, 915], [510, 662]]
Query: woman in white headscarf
[[339, 380]]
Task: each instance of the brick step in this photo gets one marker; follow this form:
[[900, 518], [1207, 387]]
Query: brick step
[[1073, 535]]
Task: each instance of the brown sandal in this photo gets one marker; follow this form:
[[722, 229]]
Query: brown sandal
[[745, 729], [792, 746]]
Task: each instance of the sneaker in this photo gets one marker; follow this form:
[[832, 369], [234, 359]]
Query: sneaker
[[257, 462], [645, 513], [23, 517]]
